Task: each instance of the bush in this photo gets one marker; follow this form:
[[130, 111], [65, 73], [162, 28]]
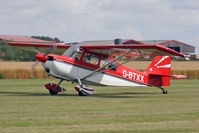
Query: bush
[[1, 76]]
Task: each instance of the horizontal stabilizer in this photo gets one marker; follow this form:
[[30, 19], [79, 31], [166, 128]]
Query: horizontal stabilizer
[[179, 76]]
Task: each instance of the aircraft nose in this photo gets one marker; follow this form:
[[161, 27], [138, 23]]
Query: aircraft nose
[[41, 57]]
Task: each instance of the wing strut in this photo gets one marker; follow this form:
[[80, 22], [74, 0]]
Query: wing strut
[[97, 70]]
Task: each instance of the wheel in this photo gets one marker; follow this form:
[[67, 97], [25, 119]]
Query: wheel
[[53, 92], [165, 92], [81, 94]]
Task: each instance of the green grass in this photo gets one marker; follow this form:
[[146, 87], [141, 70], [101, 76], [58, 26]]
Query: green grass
[[26, 106]]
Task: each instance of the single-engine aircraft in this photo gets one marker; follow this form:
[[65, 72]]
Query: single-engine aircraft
[[99, 65]]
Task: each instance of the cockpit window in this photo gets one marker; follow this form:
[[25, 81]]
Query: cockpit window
[[77, 55], [113, 66], [90, 58]]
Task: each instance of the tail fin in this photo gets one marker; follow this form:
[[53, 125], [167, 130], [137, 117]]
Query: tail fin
[[161, 65], [159, 71]]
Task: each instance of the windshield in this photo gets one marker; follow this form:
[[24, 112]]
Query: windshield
[[72, 50]]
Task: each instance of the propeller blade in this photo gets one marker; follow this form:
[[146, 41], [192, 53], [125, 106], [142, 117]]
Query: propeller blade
[[50, 50], [36, 50], [34, 65]]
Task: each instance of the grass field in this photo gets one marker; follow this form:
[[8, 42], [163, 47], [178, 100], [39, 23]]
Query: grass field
[[25, 106]]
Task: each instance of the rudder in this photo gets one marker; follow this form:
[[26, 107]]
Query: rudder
[[161, 65], [159, 71]]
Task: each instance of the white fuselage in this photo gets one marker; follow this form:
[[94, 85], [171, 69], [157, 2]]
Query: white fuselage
[[69, 71]]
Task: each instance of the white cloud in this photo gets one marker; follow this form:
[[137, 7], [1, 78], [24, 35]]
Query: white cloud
[[74, 20]]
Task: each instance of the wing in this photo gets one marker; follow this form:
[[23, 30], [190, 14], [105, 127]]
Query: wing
[[151, 50], [136, 49], [41, 47]]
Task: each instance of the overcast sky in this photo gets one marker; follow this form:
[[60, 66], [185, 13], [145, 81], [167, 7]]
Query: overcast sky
[[80, 20]]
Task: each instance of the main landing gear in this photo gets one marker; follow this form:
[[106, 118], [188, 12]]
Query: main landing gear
[[54, 88], [163, 90], [84, 90]]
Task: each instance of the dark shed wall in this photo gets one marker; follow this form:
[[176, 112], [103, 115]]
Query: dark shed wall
[[183, 47]]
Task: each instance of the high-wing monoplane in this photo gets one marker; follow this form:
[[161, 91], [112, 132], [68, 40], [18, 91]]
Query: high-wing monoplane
[[103, 65]]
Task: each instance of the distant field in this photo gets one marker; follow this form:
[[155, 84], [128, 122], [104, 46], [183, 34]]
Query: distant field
[[176, 65], [139, 65], [25, 106], [18, 65], [21, 70]]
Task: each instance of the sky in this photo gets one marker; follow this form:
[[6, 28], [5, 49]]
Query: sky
[[81, 20]]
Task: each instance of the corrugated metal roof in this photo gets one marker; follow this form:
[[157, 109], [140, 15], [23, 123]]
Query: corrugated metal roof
[[101, 42], [21, 39], [111, 42], [153, 41]]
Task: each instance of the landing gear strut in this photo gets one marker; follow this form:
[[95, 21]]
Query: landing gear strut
[[163, 90], [59, 84]]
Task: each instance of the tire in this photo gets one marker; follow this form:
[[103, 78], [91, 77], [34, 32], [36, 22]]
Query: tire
[[165, 92], [53, 92], [81, 94]]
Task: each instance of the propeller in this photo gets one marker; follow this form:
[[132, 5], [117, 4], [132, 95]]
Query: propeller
[[50, 50], [32, 68], [42, 57]]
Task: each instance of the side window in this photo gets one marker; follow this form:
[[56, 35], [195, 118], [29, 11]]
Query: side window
[[92, 59], [87, 57], [113, 66], [104, 61], [77, 55]]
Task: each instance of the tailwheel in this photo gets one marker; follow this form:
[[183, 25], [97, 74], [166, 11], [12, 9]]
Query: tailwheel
[[163, 90], [52, 92]]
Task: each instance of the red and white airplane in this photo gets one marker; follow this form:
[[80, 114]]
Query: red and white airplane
[[96, 65]]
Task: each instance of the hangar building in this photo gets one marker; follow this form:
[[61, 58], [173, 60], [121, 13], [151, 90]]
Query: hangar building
[[173, 44], [20, 39]]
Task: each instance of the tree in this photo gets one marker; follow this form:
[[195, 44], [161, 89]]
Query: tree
[[46, 38], [8, 53]]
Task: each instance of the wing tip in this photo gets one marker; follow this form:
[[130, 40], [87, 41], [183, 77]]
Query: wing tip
[[171, 51]]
